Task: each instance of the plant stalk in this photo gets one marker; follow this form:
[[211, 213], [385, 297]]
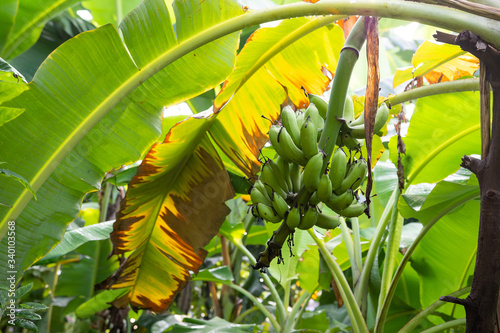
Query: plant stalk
[[279, 304], [335, 112], [357, 320], [394, 239]]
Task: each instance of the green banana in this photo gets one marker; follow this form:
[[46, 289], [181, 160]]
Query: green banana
[[314, 200], [279, 177], [262, 189], [358, 121], [293, 218], [345, 139], [284, 167], [353, 210], [267, 213], [258, 197], [290, 150], [324, 191], [309, 219], [296, 177], [340, 202], [338, 167], [348, 109], [312, 111], [327, 221], [300, 118], [320, 104], [274, 132], [289, 120], [309, 138], [358, 131], [355, 176], [312, 172], [268, 177], [279, 204]]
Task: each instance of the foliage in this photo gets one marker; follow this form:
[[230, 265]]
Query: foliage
[[83, 144]]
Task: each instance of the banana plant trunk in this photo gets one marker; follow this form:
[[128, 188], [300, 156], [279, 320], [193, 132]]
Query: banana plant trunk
[[481, 305]]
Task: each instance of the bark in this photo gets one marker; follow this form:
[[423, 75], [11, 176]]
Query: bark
[[481, 304]]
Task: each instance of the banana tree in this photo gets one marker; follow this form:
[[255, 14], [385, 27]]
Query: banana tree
[[96, 104]]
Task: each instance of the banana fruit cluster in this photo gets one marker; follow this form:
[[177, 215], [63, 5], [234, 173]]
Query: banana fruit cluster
[[298, 169]]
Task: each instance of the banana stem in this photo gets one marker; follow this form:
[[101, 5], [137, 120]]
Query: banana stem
[[357, 320], [394, 239], [435, 89], [349, 245], [292, 318], [361, 289], [356, 237], [348, 57], [267, 280]]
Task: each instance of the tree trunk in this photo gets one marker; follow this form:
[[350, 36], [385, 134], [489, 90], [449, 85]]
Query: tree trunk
[[481, 305]]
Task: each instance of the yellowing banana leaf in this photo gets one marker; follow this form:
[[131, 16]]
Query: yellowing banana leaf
[[95, 104], [24, 21], [438, 62], [265, 76], [174, 206]]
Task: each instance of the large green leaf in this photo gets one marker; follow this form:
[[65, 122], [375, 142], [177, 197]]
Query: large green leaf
[[76, 237], [90, 109], [174, 206], [445, 257], [266, 74], [26, 23], [442, 130], [110, 11]]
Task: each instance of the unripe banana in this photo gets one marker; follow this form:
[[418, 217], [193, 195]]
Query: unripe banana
[[268, 177], [313, 112], [274, 132], [296, 177], [267, 213], [309, 138], [300, 118], [327, 221], [354, 177], [289, 120], [262, 188], [358, 121], [290, 150], [259, 197], [320, 104], [314, 200], [348, 109], [381, 117], [312, 172], [340, 202], [279, 204], [309, 219], [293, 218], [279, 177], [358, 131], [345, 139], [324, 191], [353, 210], [338, 168], [284, 167]]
